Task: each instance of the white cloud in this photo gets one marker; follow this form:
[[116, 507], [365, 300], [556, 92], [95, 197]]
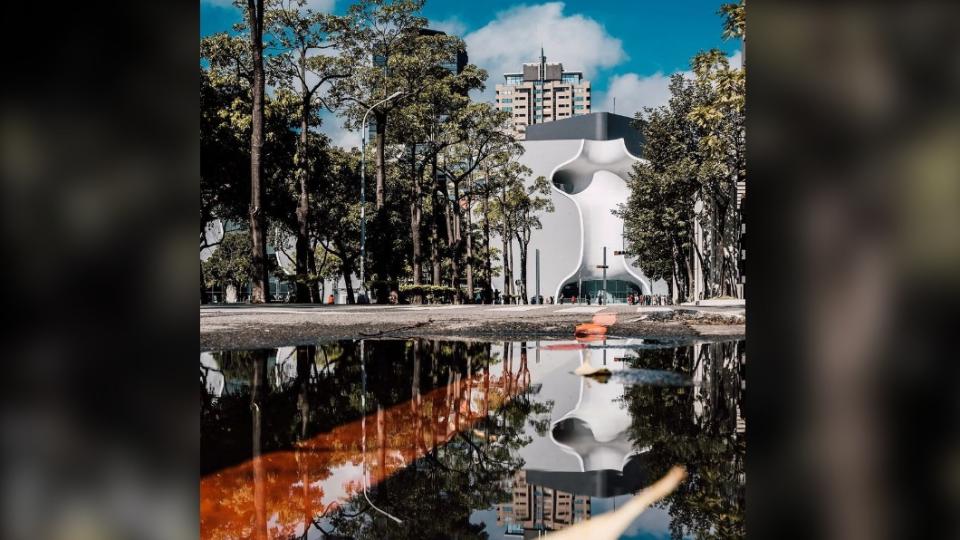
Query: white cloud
[[332, 127], [736, 59], [324, 6], [452, 26], [634, 92], [516, 35]]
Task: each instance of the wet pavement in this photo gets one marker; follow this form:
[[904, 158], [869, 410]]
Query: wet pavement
[[419, 438]]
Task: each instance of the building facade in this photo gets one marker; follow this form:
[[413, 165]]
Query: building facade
[[542, 92], [540, 508], [582, 251]]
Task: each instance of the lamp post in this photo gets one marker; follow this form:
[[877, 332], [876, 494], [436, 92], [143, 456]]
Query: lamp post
[[363, 191]]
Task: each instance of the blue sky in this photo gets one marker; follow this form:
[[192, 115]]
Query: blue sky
[[627, 48]]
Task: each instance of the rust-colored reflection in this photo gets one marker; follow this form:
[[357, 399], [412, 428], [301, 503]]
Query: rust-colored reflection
[[295, 486]]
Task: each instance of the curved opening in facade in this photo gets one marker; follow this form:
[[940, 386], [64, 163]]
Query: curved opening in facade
[[570, 181]]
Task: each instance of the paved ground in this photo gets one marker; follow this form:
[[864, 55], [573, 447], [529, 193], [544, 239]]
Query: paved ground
[[247, 326]]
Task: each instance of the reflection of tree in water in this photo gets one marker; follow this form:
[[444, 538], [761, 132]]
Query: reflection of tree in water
[[439, 442], [697, 427], [436, 495]]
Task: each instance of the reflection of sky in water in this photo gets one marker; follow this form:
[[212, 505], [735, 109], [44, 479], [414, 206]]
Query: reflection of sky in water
[[443, 407], [652, 523]]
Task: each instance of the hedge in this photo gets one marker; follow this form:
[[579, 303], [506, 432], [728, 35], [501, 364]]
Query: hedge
[[429, 294]]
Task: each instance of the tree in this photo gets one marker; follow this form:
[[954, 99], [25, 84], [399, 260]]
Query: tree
[[695, 153], [223, 155], [370, 37], [506, 198], [434, 116], [480, 134], [516, 206], [485, 188], [229, 265], [658, 214], [329, 267], [735, 23], [696, 426], [528, 202], [258, 246], [300, 33], [719, 114], [336, 221]]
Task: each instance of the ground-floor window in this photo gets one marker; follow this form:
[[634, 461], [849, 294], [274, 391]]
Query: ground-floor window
[[618, 290]]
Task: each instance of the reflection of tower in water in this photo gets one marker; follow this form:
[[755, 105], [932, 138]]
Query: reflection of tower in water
[[537, 508]]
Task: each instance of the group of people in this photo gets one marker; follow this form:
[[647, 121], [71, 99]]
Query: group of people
[[509, 299], [632, 299], [647, 299]]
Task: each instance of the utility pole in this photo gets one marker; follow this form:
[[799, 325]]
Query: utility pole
[[604, 273], [604, 267], [363, 193]]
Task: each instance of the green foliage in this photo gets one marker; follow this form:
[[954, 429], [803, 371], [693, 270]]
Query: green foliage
[[224, 154], [230, 263], [438, 159], [695, 151], [430, 294], [710, 503], [734, 19]]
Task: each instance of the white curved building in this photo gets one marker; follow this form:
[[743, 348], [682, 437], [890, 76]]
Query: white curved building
[[587, 159]]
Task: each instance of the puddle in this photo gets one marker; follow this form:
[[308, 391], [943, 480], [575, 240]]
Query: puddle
[[438, 439]]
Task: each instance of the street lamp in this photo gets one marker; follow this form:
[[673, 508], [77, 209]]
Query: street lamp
[[363, 183]]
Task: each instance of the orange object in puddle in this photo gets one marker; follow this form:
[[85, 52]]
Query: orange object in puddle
[[590, 329], [596, 328]]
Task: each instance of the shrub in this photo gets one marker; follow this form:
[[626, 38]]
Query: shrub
[[428, 294]]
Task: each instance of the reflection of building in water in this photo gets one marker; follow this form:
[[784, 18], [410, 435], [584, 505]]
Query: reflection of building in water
[[537, 508]]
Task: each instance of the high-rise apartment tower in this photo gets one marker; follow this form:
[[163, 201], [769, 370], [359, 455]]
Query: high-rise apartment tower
[[542, 92]]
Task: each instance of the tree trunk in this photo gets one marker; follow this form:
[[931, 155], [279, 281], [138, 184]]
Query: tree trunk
[[347, 279], [469, 252], [305, 358], [453, 247], [507, 267], [488, 287], [456, 219], [313, 287], [688, 282], [303, 202], [258, 250], [381, 161], [259, 474], [415, 217], [434, 255], [435, 224], [523, 268]]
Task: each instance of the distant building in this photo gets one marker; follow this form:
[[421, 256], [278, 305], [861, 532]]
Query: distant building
[[542, 92], [279, 285]]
